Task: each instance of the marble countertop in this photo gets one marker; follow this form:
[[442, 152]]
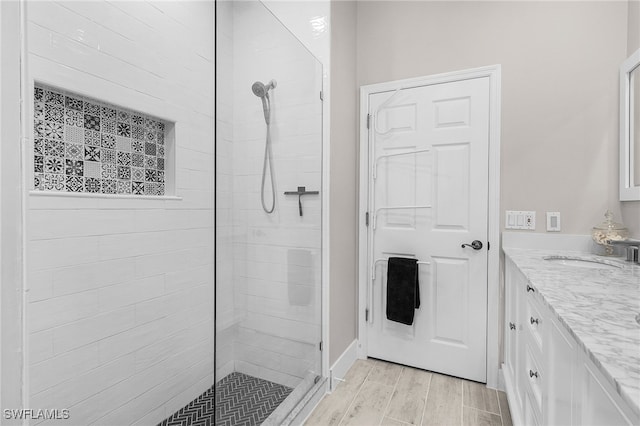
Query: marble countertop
[[598, 307]]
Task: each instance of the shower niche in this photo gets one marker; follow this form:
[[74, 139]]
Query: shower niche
[[269, 256], [85, 146]]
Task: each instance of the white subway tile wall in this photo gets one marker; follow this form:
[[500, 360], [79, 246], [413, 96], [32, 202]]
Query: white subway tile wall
[[269, 286], [120, 290]]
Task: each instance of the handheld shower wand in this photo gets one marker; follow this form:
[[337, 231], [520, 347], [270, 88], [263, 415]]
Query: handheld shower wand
[[262, 91]]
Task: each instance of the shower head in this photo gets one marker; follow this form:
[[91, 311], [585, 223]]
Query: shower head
[[260, 89]]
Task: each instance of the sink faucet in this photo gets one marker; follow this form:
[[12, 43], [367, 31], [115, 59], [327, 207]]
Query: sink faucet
[[632, 247]]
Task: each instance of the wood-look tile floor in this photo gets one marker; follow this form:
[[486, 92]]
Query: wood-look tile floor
[[381, 393]]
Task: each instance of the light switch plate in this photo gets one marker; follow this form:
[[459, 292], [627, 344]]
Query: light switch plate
[[553, 221], [520, 220]]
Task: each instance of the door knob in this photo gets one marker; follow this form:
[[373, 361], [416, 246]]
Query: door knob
[[475, 244]]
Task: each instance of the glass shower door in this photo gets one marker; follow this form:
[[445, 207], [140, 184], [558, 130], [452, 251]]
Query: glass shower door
[[268, 264]]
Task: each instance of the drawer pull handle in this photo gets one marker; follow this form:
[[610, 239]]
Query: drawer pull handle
[[529, 288], [533, 374], [534, 321], [512, 326]]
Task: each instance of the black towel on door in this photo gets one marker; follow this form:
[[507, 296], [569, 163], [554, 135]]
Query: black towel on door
[[403, 290]]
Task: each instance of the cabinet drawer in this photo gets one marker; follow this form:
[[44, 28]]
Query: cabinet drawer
[[533, 375], [534, 321]]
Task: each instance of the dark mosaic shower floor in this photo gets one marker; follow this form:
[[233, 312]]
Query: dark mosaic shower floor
[[242, 400]]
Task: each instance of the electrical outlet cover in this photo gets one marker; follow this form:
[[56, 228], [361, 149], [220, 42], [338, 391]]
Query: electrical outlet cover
[[553, 221]]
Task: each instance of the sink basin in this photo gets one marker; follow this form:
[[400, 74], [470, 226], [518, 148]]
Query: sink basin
[[580, 263]]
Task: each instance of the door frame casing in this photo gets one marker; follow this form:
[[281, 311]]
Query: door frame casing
[[493, 72]]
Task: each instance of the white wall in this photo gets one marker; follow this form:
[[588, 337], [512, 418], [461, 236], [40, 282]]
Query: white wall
[[559, 88], [120, 310], [344, 172], [633, 26]]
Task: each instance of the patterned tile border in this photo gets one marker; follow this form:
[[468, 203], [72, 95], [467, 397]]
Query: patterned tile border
[[82, 145]]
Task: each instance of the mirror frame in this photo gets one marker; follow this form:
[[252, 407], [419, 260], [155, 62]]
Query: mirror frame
[[628, 192]]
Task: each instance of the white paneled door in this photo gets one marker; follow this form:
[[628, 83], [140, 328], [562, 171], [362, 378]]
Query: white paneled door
[[428, 197]]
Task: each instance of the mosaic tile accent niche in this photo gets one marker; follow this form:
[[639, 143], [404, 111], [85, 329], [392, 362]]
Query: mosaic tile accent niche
[[84, 145]]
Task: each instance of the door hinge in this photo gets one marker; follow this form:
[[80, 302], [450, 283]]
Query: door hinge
[[366, 218], [488, 246], [320, 346], [368, 120], [321, 96], [366, 314]]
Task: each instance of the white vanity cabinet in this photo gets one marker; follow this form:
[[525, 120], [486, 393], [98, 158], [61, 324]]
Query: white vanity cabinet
[[562, 363], [549, 377], [597, 402], [512, 364]]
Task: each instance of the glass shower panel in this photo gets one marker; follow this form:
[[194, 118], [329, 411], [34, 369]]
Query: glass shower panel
[[268, 265]]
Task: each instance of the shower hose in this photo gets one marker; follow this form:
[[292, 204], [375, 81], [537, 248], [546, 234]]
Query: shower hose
[[268, 161]]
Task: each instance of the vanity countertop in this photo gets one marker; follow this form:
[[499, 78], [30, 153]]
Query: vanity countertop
[[598, 307]]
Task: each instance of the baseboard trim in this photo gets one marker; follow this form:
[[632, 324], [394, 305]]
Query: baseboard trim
[[344, 362], [501, 385]]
